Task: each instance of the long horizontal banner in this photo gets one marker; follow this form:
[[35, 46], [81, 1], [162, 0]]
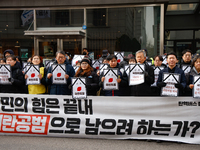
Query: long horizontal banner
[[160, 118]]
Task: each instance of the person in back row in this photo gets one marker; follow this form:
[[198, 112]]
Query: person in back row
[[60, 89]]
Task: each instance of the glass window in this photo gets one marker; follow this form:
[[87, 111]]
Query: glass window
[[60, 18], [181, 7], [124, 29], [13, 23], [184, 34]]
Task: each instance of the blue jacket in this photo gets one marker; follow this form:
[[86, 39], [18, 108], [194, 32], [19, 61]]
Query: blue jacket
[[178, 71], [61, 89]]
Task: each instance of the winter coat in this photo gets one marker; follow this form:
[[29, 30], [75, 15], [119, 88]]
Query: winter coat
[[17, 82], [92, 83], [61, 89], [121, 85], [144, 89], [177, 71]]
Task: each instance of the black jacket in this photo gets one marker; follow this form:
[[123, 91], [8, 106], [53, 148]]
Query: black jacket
[[122, 84], [92, 83], [17, 81], [144, 89]]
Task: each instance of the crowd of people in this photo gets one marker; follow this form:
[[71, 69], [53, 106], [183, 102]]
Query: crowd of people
[[95, 78]]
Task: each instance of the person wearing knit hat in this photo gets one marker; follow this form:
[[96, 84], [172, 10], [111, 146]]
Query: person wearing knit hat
[[86, 60], [8, 52], [92, 80]]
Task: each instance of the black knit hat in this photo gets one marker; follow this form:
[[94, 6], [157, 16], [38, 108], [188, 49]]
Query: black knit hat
[[85, 60]]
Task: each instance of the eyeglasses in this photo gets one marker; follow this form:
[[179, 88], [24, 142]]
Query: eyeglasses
[[60, 57], [84, 64]]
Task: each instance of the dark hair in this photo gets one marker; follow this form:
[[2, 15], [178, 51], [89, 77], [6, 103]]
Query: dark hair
[[110, 57], [172, 53], [85, 49], [132, 58], [60, 52], [41, 64], [185, 51], [197, 56], [159, 56], [12, 56]]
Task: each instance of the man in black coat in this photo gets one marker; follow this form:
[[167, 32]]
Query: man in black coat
[[143, 89]]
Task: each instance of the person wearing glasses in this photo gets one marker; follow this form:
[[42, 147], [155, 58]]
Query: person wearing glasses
[[92, 79], [60, 89]]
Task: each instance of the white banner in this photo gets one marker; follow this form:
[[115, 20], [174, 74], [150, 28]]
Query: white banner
[[159, 118]]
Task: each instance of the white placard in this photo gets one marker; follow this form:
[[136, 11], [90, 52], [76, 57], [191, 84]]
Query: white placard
[[102, 67], [136, 74], [48, 63], [76, 68], [196, 88], [110, 82], [24, 66], [171, 79], [58, 74], [5, 73], [164, 59], [186, 68], [79, 88], [32, 71], [127, 69], [96, 64], [120, 56], [149, 63], [77, 58], [156, 73]]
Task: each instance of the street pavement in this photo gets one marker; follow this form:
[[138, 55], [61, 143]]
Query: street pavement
[[8, 142]]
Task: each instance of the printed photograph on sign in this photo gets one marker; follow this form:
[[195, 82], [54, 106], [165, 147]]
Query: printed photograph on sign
[[58, 74], [79, 88], [136, 74], [110, 82], [196, 88], [170, 79], [156, 73], [96, 64], [5, 73], [32, 71], [186, 68], [102, 67], [77, 58], [120, 56]]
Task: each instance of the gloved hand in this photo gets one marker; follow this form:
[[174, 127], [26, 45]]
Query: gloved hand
[[179, 86], [161, 84], [11, 80]]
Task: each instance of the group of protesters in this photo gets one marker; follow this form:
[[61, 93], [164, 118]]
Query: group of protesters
[[95, 79]]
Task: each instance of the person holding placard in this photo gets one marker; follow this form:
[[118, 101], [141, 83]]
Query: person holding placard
[[143, 89], [122, 78], [186, 58], [40, 88], [60, 89], [172, 68], [17, 81], [195, 71], [92, 79], [158, 65]]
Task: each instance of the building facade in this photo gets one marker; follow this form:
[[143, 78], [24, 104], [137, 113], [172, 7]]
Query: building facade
[[41, 27]]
